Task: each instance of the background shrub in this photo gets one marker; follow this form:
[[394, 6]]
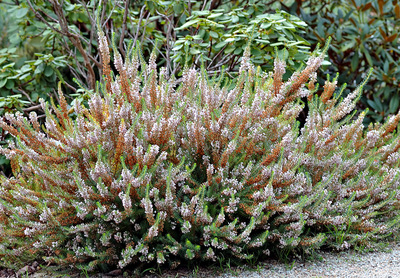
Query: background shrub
[[153, 172], [364, 34]]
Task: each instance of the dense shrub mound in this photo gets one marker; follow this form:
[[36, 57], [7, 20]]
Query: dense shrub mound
[[154, 172]]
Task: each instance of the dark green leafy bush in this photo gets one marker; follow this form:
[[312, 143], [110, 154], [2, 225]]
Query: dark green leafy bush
[[364, 34], [30, 60], [154, 172]]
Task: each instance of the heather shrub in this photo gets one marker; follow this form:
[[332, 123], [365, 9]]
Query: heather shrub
[[152, 172], [43, 41]]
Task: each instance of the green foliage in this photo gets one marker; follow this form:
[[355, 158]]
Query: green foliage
[[179, 25], [24, 66], [219, 37], [35, 76], [154, 172], [217, 32], [364, 34]]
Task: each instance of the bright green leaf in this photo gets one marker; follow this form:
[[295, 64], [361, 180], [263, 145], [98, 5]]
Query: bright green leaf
[[22, 77], [3, 82], [177, 47], [188, 24], [214, 34], [266, 25], [220, 44], [214, 15], [200, 13], [262, 41], [8, 66], [21, 12], [194, 51]]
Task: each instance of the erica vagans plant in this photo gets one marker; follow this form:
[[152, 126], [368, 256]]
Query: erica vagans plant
[[155, 171]]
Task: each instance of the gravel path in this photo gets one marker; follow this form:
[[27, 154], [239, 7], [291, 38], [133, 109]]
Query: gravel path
[[345, 264]]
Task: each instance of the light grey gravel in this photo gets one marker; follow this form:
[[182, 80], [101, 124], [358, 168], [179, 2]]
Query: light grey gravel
[[344, 264]]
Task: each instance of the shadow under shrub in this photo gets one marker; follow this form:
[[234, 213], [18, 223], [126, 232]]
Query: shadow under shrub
[[150, 172]]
